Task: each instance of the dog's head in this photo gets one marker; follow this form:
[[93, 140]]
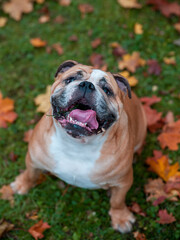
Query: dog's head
[[87, 101]]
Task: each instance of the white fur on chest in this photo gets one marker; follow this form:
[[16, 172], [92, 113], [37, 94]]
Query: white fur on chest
[[74, 161]]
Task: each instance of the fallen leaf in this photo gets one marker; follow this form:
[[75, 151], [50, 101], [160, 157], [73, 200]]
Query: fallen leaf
[[138, 28], [38, 42], [15, 8], [37, 230], [137, 209], [159, 200], [85, 8], [169, 60], [5, 227], [169, 118], [27, 135], [162, 167], [131, 79], [165, 218], [154, 67], [96, 42], [150, 100], [139, 236], [13, 156], [43, 100], [6, 111], [73, 38], [3, 21], [173, 184], [65, 3], [96, 60], [6, 193], [154, 189], [177, 26], [131, 62], [33, 215], [44, 19], [165, 7], [170, 136], [59, 19], [117, 50], [58, 48], [40, 1], [129, 4]]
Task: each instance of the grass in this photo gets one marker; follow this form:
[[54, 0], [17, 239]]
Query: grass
[[25, 72]]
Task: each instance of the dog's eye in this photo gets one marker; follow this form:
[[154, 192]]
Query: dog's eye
[[69, 80], [107, 91]]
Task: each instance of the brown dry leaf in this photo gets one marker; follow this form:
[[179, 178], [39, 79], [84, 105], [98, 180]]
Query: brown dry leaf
[[43, 100], [117, 51], [170, 136], [137, 209], [165, 7], [44, 19], [154, 189], [85, 8], [7, 193], [65, 3], [6, 111], [28, 135], [5, 227], [37, 229], [3, 21], [169, 60], [58, 48], [139, 236], [131, 79], [150, 100], [13, 156], [138, 28], [154, 67], [96, 42], [129, 4], [73, 38], [33, 215], [59, 19], [162, 167], [131, 62], [15, 8], [173, 184], [38, 42], [97, 60], [177, 26], [165, 218]]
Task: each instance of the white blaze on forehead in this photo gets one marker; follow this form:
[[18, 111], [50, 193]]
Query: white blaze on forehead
[[96, 75]]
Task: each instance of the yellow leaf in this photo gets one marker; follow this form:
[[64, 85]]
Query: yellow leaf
[[138, 28], [3, 21], [170, 60], [37, 42], [131, 79], [129, 4], [43, 100]]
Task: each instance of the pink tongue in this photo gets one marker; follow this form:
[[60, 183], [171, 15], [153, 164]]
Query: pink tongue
[[85, 116]]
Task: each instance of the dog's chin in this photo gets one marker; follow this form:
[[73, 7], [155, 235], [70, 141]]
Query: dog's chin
[[80, 119]]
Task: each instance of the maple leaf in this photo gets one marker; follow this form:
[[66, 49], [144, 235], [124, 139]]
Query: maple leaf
[[131, 62], [129, 4], [137, 209], [96, 42], [3, 21], [150, 100], [138, 28], [131, 79], [5, 227], [169, 60], [165, 218], [170, 136], [38, 42], [6, 111], [58, 48], [44, 19], [162, 167], [85, 8], [7, 193], [117, 51], [15, 8], [37, 230], [173, 184], [154, 67], [28, 135], [165, 7], [33, 215], [43, 100], [96, 60], [154, 189], [139, 236]]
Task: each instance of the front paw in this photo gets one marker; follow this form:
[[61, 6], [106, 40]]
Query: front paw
[[21, 185], [122, 219]]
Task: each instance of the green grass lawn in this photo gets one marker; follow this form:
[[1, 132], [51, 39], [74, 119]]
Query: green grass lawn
[[26, 71]]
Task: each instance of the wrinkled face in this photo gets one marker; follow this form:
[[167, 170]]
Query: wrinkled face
[[85, 101]]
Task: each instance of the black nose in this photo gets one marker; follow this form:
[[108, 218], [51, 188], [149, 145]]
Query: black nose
[[86, 86]]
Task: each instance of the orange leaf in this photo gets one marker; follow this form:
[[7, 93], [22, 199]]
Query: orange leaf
[[7, 193], [37, 229], [139, 236], [162, 168], [129, 4], [165, 218], [38, 42]]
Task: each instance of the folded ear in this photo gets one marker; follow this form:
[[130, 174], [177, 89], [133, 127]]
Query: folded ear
[[123, 84], [65, 66]]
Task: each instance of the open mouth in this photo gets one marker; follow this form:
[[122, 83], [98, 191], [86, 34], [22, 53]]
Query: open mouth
[[78, 117]]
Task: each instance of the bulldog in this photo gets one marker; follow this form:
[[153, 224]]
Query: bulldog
[[96, 126]]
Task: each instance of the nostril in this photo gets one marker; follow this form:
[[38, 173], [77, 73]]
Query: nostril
[[91, 86]]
